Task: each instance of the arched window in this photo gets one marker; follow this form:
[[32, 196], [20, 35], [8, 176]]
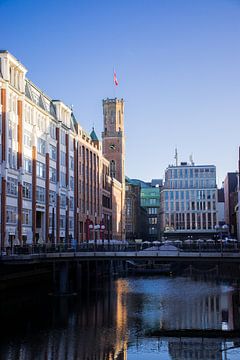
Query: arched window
[[113, 168]]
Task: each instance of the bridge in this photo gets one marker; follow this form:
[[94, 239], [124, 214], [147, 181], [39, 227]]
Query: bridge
[[173, 256], [63, 265]]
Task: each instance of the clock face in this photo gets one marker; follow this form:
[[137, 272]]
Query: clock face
[[112, 147]]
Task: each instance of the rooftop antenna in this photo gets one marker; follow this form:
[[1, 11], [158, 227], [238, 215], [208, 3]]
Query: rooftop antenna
[[176, 157], [191, 159]]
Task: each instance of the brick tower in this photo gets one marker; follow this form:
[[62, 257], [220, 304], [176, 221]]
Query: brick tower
[[113, 141]]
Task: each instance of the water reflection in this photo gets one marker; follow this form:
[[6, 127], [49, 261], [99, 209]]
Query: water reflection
[[112, 322]]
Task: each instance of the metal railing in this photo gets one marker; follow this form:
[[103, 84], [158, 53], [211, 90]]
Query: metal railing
[[85, 247]]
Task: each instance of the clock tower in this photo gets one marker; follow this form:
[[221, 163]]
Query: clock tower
[[113, 141], [113, 137]]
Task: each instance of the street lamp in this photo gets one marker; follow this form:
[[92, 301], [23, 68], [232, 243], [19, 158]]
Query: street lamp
[[96, 228], [102, 227], [108, 217], [53, 220], [220, 229]]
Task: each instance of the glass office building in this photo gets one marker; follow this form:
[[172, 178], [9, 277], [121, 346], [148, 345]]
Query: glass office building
[[150, 200], [188, 199]]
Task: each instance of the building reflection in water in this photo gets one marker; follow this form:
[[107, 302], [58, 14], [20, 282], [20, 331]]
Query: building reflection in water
[[92, 329], [105, 324]]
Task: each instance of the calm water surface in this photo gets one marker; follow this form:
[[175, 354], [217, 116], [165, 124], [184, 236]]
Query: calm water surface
[[113, 321]]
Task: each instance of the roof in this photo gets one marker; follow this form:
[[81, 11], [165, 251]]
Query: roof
[[93, 135]]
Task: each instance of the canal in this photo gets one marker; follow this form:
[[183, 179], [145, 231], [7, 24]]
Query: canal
[[118, 320]]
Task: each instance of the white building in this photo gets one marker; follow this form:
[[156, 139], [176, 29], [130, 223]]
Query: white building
[[189, 199]]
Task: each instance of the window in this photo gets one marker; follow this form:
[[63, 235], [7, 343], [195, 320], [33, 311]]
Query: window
[[152, 221], [153, 201], [41, 170], [152, 211], [71, 144], [152, 231], [63, 179], [41, 123], [71, 203], [52, 175], [28, 115], [71, 183], [27, 190], [27, 139], [63, 200], [52, 197], [63, 137], [71, 163], [41, 146], [52, 152], [40, 194], [27, 163], [113, 168], [52, 130], [62, 222], [11, 215], [12, 130], [27, 217], [71, 223], [12, 158], [11, 186], [63, 158]]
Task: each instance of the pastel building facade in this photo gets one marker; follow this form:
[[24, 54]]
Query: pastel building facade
[[54, 177]]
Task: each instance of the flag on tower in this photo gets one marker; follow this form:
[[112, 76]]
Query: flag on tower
[[115, 78]]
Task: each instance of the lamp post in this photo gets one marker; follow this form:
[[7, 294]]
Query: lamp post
[[108, 217], [90, 227], [220, 229], [95, 228], [102, 227], [53, 220]]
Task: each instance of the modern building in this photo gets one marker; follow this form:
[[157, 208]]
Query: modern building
[[55, 180], [230, 195], [136, 216], [188, 200], [150, 202]]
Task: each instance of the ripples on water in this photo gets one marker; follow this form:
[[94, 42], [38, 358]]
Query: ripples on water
[[112, 322]]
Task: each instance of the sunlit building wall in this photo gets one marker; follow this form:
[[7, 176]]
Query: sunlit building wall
[[188, 199], [53, 173]]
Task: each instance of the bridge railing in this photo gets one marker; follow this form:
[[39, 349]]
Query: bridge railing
[[84, 247]]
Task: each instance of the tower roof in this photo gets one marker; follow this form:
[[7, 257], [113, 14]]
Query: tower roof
[[94, 135]]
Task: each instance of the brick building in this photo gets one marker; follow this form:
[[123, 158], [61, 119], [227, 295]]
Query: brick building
[[55, 180]]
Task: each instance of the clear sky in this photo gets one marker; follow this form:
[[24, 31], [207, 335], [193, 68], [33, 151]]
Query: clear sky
[[177, 63]]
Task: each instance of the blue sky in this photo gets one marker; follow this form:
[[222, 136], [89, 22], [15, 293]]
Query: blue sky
[[177, 62]]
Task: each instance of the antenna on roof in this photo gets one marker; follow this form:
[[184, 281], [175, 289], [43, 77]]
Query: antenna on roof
[[176, 157], [191, 159]]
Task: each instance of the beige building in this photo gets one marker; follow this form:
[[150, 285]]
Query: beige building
[[55, 180]]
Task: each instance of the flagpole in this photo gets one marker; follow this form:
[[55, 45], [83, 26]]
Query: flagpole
[[114, 86], [115, 82]]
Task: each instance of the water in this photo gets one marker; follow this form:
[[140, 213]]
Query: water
[[114, 322]]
